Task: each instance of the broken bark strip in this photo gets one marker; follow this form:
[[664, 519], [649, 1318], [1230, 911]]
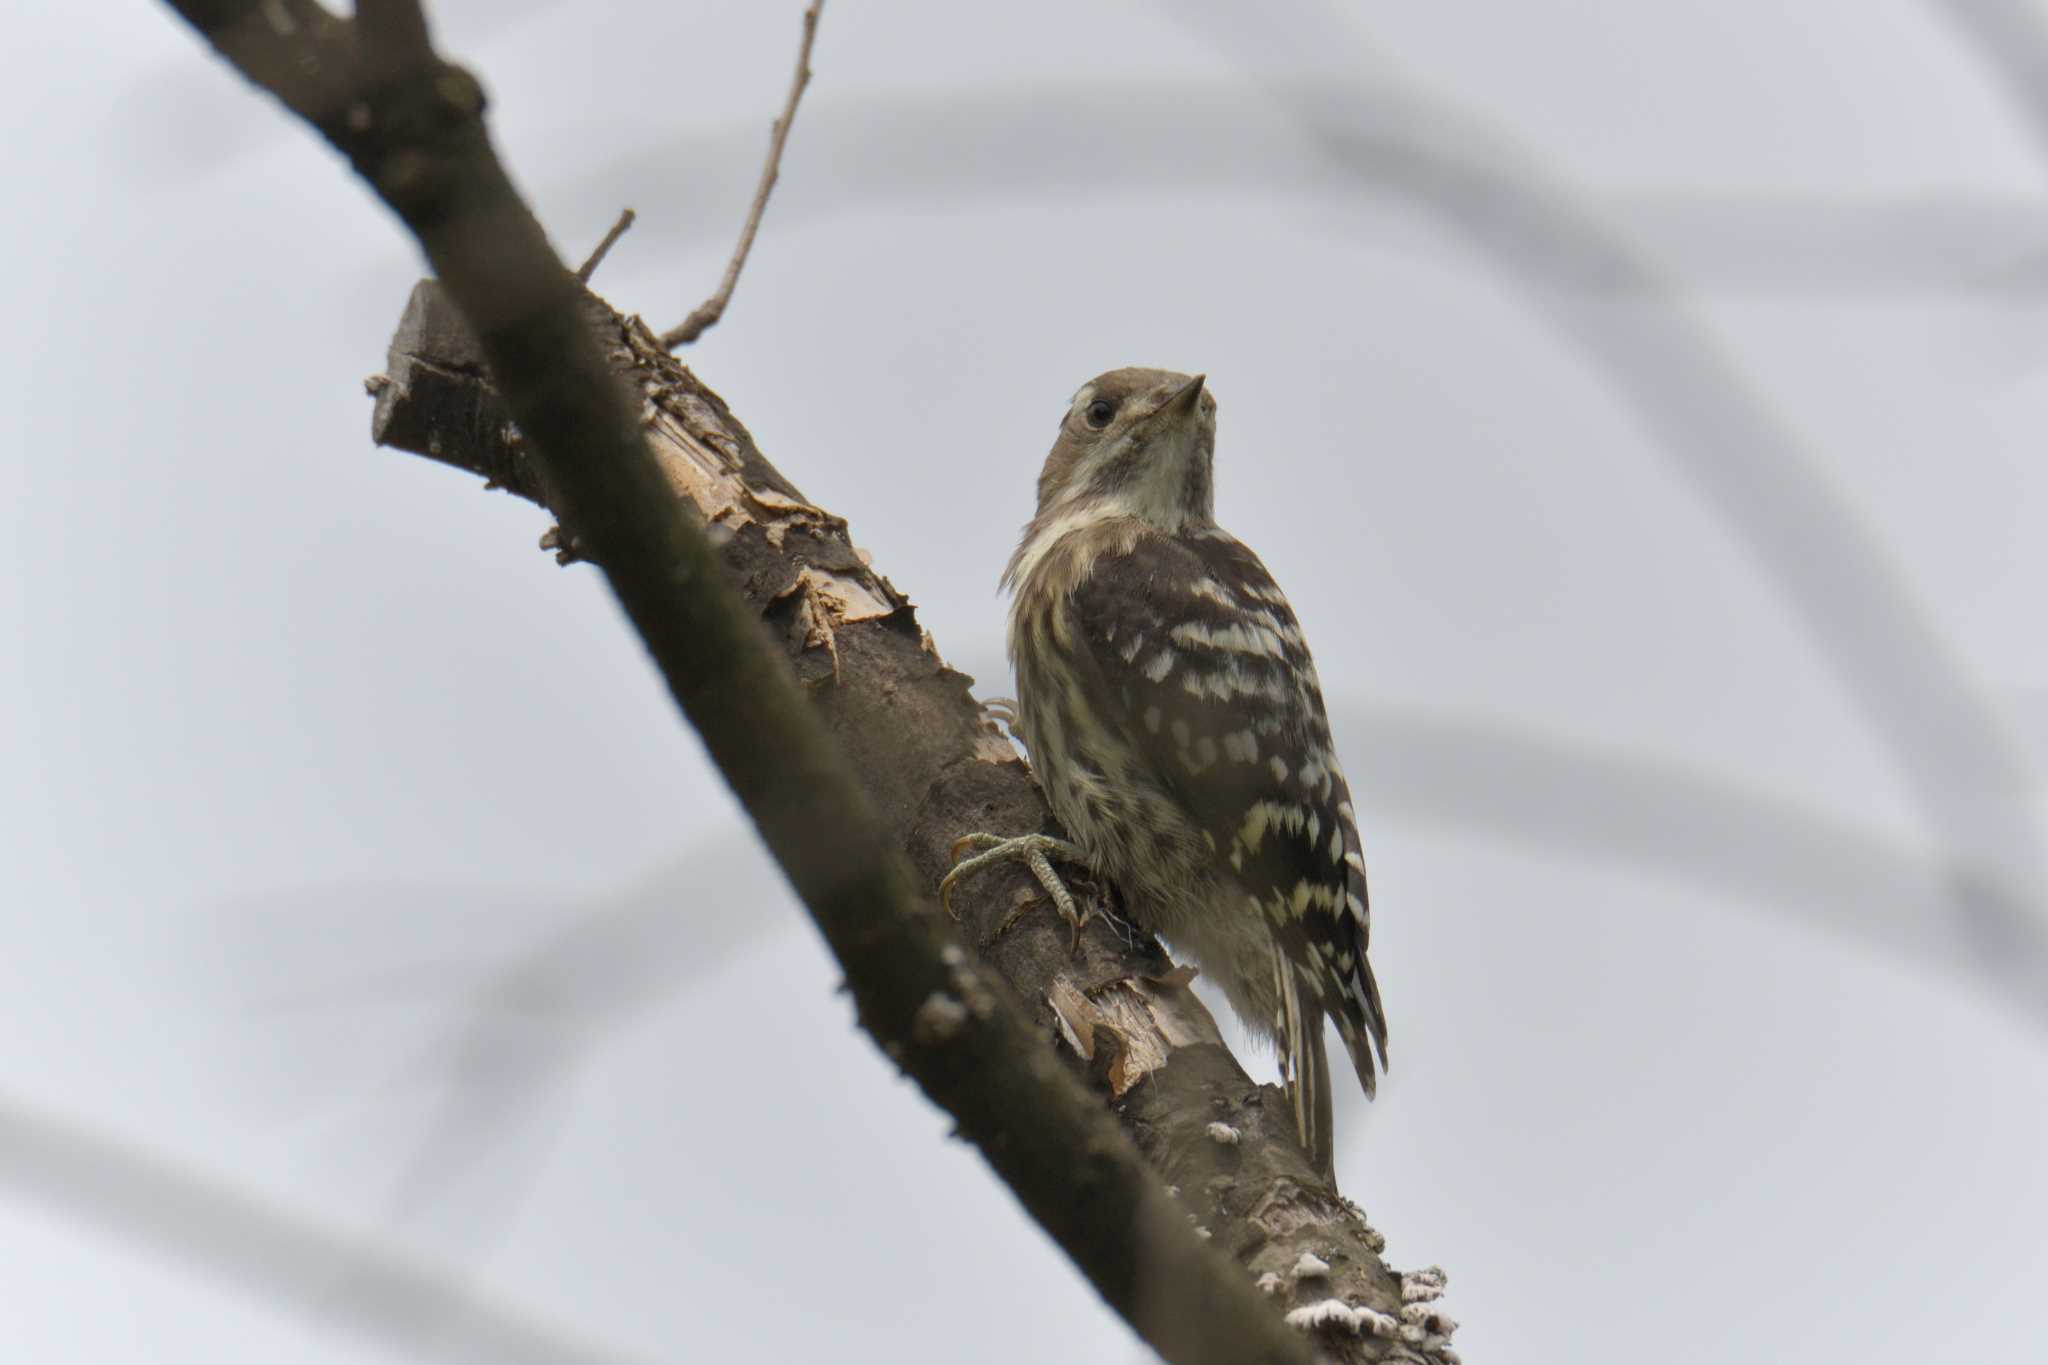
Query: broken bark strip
[[935, 768]]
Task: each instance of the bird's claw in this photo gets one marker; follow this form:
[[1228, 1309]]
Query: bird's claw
[[1036, 852]]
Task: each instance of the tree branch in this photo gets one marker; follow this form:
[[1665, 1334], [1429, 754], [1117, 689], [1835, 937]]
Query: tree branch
[[610, 462]]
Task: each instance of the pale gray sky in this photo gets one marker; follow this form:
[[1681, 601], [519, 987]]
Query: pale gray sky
[[1643, 404]]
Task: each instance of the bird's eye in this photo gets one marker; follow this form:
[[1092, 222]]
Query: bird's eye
[[1099, 412]]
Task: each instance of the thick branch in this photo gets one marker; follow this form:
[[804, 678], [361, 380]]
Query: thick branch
[[413, 128]]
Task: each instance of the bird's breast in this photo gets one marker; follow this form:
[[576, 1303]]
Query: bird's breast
[[1103, 790]]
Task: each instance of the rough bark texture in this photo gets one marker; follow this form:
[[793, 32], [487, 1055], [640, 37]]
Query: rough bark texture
[[936, 767]]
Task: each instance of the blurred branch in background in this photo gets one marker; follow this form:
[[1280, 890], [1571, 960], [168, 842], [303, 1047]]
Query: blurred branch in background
[[1047, 146], [939, 147], [192, 1220], [1765, 854], [531, 1013], [2010, 37], [500, 995]]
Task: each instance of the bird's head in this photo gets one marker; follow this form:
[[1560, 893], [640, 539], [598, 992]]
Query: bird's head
[[1135, 443]]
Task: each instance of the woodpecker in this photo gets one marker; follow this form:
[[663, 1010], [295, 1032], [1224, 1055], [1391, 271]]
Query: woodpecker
[[1172, 714]]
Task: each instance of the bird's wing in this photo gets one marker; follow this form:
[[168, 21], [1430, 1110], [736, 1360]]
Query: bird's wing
[[1209, 676]]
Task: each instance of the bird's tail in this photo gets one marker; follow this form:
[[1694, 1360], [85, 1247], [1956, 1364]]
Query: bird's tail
[[1367, 1031], [1305, 1066], [1305, 1070]]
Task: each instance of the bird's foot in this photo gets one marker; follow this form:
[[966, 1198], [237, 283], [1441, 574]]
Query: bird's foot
[[1035, 851]]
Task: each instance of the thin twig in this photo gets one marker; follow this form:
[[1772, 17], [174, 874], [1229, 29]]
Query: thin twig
[[712, 309], [589, 267]]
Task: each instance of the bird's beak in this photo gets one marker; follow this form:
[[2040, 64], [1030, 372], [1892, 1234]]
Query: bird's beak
[[1183, 402]]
